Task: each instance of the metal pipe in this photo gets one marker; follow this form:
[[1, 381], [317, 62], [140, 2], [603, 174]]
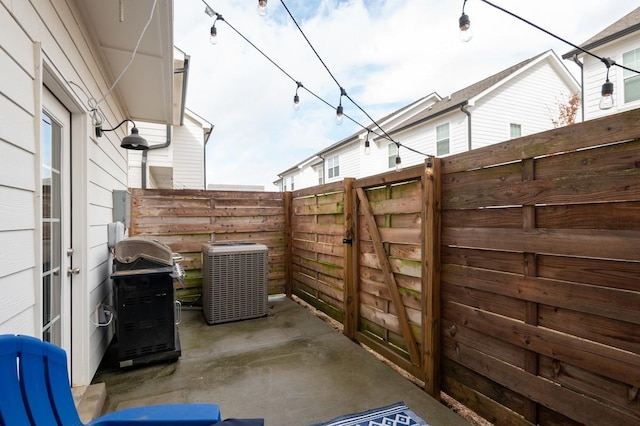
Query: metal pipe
[[463, 108], [581, 65]]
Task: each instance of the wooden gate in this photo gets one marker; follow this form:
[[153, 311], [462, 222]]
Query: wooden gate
[[395, 242]]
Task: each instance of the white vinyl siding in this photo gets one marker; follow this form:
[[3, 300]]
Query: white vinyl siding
[[531, 101], [99, 166]]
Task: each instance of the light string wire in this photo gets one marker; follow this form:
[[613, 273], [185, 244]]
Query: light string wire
[[385, 135], [133, 56], [608, 62], [344, 93]]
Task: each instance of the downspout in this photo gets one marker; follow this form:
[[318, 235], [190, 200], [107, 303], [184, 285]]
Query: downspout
[[185, 76], [581, 65], [463, 108], [144, 155], [204, 155]]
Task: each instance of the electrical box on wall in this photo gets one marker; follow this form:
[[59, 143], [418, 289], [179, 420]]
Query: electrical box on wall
[[121, 206]]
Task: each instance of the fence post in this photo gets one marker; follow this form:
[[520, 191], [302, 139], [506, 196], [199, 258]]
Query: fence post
[[288, 243], [431, 276], [350, 325]]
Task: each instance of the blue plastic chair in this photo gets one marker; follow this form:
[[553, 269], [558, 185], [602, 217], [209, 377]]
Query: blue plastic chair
[[35, 390]]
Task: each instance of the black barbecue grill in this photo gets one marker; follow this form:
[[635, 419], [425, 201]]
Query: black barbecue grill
[[146, 310]]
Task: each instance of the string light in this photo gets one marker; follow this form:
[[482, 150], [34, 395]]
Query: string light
[[296, 98], [209, 11], [398, 159], [367, 145], [213, 39], [466, 33], [340, 110], [606, 101], [262, 8]]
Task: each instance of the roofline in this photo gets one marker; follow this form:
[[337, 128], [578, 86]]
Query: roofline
[[605, 40]]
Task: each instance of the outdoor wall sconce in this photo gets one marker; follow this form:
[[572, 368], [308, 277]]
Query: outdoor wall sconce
[[132, 141]]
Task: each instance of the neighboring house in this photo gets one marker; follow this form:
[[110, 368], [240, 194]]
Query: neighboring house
[[621, 43], [176, 155], [518, 101], [59, 61]]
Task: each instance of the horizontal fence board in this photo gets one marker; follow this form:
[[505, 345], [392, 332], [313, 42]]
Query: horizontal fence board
[[621, 186], [598, 243], [592, 385], [606, 130], [621, 305], [547, 393], [483, 396], [610, 332], [623, 216], [610, 273], [607, 361]]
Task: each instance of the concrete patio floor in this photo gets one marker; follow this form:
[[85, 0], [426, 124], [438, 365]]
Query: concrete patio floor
[[290, 368]]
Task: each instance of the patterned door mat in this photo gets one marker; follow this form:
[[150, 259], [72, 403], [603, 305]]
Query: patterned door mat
[[396, 414]]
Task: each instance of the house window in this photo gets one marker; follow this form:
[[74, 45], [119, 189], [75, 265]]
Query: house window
[[442, 139], [393, 153], [515, 130], [293, 186], [333, 165], [320, 176], [631, 79]]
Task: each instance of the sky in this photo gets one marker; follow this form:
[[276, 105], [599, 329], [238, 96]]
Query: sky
[[384, 53]]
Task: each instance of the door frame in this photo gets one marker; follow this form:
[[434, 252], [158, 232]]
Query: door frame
[[79, 152], [60, 117]]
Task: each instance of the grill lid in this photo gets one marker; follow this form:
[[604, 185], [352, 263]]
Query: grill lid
[[132, 249]]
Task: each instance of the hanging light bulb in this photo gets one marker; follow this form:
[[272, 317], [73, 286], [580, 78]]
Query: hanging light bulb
[[339, 114], [213, 39], [367, 145], [340, 110], [296, 98], [262, 8], [606, 101], [466, 33], [398, 163]]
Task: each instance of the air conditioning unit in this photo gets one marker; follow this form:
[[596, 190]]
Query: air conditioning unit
[[234, 281]]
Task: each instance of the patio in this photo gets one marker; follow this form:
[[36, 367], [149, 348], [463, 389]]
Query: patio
[[290, 368]]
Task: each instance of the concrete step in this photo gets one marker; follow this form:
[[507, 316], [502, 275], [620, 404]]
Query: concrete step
[[89, 400]]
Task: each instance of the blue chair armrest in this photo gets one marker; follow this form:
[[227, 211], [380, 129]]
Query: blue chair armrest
[[164, 415]]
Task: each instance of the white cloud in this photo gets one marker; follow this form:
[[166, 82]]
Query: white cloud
[[385, 53]]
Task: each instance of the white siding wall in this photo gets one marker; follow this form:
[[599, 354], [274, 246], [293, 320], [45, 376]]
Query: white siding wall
[[530, 100], [595, 74], [188, 155], [37, 43]]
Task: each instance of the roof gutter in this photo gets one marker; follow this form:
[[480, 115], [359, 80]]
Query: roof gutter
[[143, 166], [581, 65], [185, 79], [463, 108]]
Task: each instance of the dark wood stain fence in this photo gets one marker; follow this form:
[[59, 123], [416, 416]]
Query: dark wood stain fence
[[507, 277], [540, 276]]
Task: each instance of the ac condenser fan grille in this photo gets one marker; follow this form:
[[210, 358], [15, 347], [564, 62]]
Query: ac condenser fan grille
[[234, 282]]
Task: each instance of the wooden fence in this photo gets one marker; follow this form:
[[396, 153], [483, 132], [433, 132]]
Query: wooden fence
[[541, 276], [186, 219], [507, 277]]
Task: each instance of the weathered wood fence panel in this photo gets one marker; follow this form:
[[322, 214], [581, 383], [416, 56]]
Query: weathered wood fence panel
[[541, 276], [186, 219], [318, 252]]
